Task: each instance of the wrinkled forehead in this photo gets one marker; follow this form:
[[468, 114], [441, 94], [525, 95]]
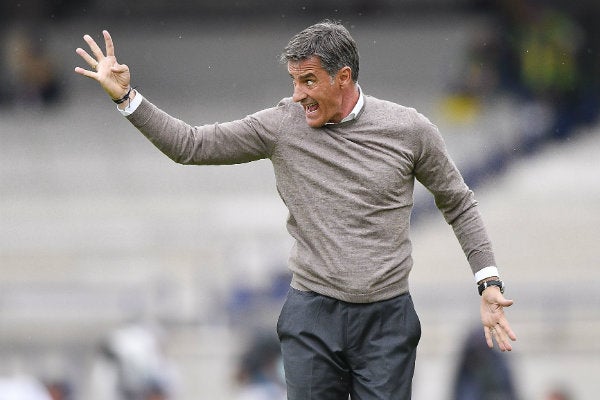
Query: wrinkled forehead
[[300, 67]]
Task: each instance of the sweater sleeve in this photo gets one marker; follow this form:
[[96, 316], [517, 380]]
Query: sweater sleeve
[[435, 169], [248, 139]]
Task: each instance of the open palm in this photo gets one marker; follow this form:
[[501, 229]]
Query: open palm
[[114, 78]]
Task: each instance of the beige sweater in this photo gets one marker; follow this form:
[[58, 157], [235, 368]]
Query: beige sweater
[[348, 188]]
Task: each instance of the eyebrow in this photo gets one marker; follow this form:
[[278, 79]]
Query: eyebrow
[[305, 76]]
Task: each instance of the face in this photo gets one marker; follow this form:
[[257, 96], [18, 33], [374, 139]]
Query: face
[[320, 95]]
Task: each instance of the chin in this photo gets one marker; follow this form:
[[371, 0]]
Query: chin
[[314, 123]]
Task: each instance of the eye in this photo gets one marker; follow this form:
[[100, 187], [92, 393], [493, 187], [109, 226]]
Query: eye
[[310, 82]]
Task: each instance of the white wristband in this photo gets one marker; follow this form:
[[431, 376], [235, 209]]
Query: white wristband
[[133, 104], [486, 272]]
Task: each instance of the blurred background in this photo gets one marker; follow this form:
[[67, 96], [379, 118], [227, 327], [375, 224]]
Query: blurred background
[[126, 276]]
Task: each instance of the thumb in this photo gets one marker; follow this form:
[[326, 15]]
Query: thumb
[[500, 300], [506, 302], [493, 296]]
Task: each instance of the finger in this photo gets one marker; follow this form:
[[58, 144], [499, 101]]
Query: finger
[[504, 333], [110, 47], [506, 328], [496, 335], [94, 47], [495, 297], [503, 343], [488, 337], [506, 302], [85, 72], [86, 57]]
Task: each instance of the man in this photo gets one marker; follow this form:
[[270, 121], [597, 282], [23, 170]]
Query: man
[[345, 165]]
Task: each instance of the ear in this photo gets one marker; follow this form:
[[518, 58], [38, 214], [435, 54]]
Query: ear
[[344, 76]]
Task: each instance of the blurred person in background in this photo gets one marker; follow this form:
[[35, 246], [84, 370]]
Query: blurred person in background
[[33, 79], [22, 387], [482, 373], [59, 390], [345, 165], [558, 393], [540, 55], [547, 48], [131, 365], [546, 57], [260, 371]]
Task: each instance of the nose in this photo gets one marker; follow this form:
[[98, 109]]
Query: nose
[[298, 95]]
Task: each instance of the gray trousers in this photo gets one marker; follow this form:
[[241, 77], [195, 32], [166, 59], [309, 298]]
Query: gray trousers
[[333, 349]]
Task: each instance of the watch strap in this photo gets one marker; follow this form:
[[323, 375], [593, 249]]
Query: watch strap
[[486, 284]]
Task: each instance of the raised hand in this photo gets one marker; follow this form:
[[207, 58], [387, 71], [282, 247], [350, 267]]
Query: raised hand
[[495, 324], [114, 78]]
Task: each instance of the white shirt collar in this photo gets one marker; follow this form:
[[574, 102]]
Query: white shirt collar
[[357, 108]]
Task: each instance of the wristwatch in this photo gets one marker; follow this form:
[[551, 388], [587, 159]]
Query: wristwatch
[[486, 284]]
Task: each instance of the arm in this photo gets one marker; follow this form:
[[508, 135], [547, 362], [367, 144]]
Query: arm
[[229, 143], [234, 142], [435, 169]]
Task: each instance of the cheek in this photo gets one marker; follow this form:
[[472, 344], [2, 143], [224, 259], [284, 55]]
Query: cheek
[[333, 104], [329, 97]]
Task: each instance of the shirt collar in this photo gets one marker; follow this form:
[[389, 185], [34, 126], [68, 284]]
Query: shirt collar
[[357, 108]]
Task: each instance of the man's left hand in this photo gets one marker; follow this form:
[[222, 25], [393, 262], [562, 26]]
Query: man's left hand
[[495, 324]]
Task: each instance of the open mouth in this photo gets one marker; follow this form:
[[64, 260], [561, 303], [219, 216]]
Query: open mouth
[[311, 108]]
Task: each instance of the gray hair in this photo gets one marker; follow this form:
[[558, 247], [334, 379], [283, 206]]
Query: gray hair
[[328, 40]]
